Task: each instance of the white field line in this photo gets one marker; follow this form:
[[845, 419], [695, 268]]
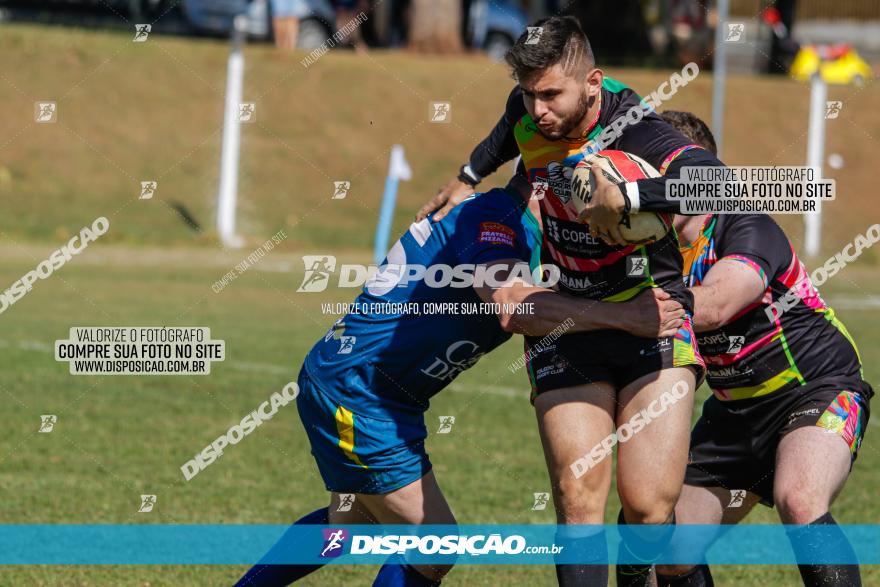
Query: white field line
[[869, 302]]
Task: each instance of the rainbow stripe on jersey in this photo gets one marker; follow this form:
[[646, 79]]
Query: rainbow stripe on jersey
[[589, 267]]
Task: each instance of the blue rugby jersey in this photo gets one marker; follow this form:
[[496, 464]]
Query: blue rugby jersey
[[376, 362]]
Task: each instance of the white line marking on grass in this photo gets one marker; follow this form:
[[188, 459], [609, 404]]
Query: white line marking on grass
[[498, 390], [855, 302], [32, 345], [262, 367], [29, 345]]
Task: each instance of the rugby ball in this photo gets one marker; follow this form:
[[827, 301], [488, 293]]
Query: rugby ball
[[620, 167]]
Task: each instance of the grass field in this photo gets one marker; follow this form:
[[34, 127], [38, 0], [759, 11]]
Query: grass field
[[153, 112]]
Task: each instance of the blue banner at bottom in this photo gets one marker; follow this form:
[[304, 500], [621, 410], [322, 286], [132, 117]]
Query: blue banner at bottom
[[230, 544]]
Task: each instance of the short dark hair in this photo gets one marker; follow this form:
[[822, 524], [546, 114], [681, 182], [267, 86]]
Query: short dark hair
[[560, 39], [692, 127]]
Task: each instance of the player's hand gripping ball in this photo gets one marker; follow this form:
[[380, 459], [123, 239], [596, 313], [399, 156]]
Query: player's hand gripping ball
[[619, 167]]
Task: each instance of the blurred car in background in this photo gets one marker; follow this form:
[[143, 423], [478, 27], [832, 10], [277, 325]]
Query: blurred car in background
[[494, 26], [488, 25], [216, 16]]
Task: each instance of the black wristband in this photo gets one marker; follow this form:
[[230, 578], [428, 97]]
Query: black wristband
[[464, 177]]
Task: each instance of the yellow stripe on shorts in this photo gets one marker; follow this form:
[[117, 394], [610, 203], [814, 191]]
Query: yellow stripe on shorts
[[345, 428]]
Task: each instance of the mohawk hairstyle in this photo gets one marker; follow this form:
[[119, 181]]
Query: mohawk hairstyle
[[558, 39]]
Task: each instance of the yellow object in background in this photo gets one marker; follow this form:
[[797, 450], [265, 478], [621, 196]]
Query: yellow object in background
[[836, 64]]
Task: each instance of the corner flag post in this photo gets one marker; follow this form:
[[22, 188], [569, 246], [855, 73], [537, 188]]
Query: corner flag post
[[398, 169], [719, 74], [228, 193], [815, 154]]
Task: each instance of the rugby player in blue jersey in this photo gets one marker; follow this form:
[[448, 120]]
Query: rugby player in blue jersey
[[365, 385]]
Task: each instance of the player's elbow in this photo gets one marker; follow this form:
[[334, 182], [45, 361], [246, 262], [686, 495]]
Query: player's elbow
[[511, 323], [500, 298], [514, 321], [507, 324], [508, 318], [709, 317], [508, 304], [714, 306]]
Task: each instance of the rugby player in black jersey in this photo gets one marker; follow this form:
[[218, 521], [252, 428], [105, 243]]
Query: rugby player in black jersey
[[789, 407], [586, 386]]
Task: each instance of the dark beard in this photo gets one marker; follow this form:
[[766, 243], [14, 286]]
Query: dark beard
[[570, 123]]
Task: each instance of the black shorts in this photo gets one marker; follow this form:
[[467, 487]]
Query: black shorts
[[612, 356], [733, 444]]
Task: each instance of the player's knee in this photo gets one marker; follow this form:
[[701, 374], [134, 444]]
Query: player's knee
[[797, 506], [648, 507], [578, 502], [649, 516]]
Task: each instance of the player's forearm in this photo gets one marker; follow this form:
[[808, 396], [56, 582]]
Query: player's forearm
[[709, 310], [536, 311]]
